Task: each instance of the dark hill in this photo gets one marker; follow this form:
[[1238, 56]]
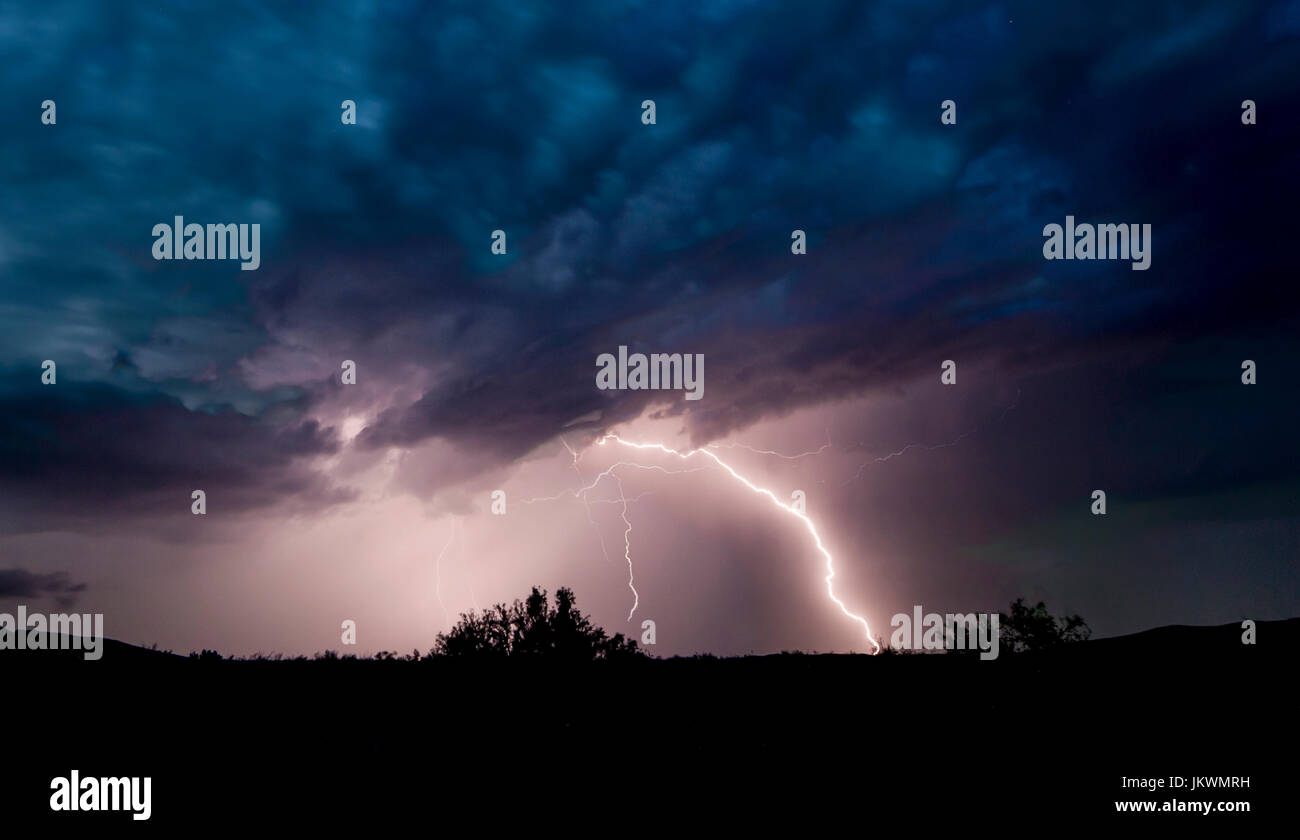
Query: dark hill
[[1050, 733]]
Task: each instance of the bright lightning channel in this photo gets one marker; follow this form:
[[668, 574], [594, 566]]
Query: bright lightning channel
[[437, 566], [808, 523], [582, 493], [819, 450], [883, 458]]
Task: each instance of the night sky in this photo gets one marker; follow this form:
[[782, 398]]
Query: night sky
[[475, 371]]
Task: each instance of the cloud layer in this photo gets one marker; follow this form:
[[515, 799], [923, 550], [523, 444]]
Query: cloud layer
[[924, 242]]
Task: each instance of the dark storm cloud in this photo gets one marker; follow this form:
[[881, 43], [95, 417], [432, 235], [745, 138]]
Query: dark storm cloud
[[90, 453], [924, 239], [20, 583]]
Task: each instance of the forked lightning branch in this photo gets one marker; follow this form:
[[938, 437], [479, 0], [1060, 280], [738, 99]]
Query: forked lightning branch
[[803, 518]]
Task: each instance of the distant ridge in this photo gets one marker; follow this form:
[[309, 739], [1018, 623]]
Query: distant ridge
[[1193, 640], [1174, 640]]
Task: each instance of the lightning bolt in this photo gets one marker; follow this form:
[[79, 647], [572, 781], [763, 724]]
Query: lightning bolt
[[627, 549], [583, 493], [953, 442], [819, 450], [638, 497], [438, 572], [762, 491], [585, 503], [622, 500], [884, 458]]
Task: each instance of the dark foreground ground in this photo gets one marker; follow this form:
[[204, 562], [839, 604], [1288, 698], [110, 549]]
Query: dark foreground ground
[[1033, 744]]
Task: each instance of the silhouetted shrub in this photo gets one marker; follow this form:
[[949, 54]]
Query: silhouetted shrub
[[533, 628], [1033, 628]]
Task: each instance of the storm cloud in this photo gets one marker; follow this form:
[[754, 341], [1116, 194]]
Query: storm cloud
[[924, 244]]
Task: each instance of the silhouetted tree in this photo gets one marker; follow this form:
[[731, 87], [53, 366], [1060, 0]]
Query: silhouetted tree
[[1033, 628], [533, 628]]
